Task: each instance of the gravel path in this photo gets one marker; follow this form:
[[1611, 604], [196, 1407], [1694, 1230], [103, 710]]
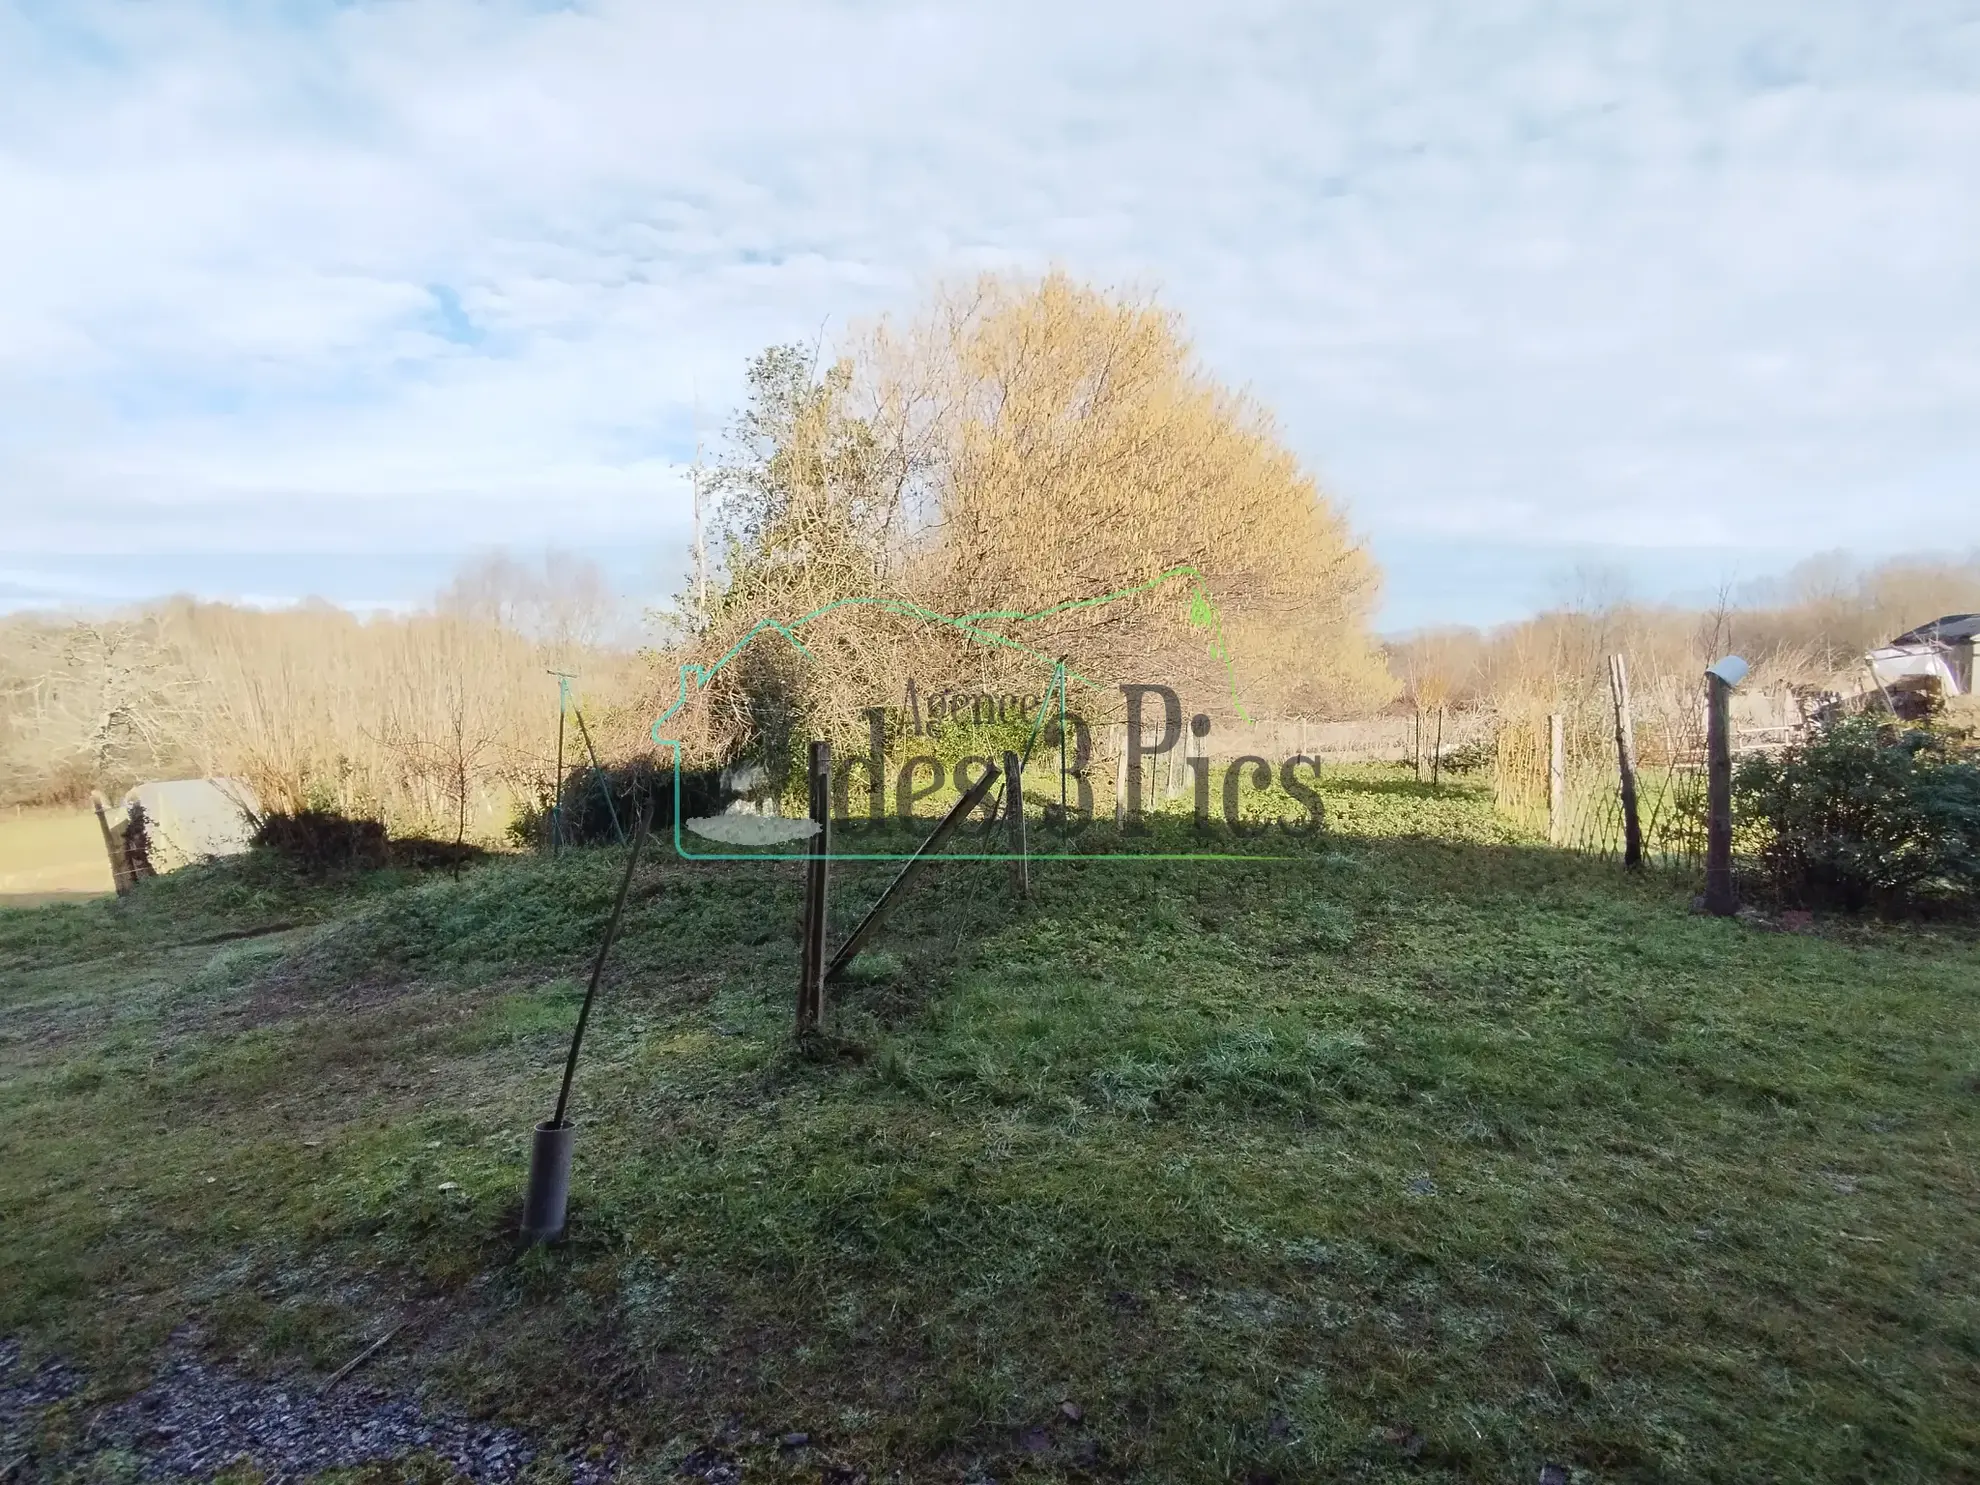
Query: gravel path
[[195, 1419], [24, 1395]]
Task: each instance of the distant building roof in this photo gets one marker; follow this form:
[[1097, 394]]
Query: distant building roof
[[1949, 630]]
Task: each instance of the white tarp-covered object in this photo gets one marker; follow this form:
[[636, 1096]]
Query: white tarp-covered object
[[188, 820], [1937, 654]]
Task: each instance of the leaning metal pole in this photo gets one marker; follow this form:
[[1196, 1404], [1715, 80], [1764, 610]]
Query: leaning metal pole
[[856, 940], [550, 1155]]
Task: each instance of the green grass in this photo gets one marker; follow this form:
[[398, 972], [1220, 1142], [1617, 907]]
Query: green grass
[[1424, 1154]]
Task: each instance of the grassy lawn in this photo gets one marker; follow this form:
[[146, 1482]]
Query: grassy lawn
[[1424, 1154], [49, 855]]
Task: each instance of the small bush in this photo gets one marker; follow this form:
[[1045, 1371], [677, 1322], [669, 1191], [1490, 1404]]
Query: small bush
[[1869, 813], [322, 840], [137, 841], [588, 821]]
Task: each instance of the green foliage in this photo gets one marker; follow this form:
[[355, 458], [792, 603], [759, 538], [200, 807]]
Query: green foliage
[[1866, 814], [798, 462]]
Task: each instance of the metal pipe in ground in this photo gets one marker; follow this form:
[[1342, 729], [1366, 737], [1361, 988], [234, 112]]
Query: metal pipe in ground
[[549, 1189]]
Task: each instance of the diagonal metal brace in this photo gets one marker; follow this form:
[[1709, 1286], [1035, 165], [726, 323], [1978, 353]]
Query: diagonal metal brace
[[875, 915]]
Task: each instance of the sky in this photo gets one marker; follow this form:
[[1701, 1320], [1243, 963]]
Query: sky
[[315, 298]]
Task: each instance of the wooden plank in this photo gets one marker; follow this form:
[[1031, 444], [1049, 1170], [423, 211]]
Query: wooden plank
[[1120, 779], [1556, 780], [120, 869]]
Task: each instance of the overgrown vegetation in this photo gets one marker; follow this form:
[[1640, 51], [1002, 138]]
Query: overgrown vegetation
[[321, 840], [1809, 627], [1868, 812], [1426, 1158], [431, 722], [1009, 447]]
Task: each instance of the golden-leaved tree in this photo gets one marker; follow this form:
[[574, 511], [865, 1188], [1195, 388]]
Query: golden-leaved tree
[[1010, 450], [1083, 449]]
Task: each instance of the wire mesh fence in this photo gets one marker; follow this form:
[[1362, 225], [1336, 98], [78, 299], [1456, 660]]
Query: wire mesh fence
[[1583, 810], [1568, 795], [1572, 795]]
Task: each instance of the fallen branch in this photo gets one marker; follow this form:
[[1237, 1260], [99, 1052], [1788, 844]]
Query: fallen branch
[[360, 1359]]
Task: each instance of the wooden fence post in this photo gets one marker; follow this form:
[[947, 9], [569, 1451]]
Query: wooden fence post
[[1720, 898], [1626, 761], [1556, 780], [1120, 778], [1417, 745], [811, 981], [113, 846], [1437, 752], [1014, 813]]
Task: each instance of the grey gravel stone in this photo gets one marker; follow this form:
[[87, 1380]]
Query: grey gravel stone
[[195, 1419]]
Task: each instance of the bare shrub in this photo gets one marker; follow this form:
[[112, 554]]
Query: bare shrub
[[1081, 448], [435, 724], [87, 704]]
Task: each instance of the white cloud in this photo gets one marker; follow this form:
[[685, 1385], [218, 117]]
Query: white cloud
[[1649, 276]]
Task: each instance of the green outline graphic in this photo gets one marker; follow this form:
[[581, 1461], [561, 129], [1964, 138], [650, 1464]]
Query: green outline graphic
[[1202, 614]]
